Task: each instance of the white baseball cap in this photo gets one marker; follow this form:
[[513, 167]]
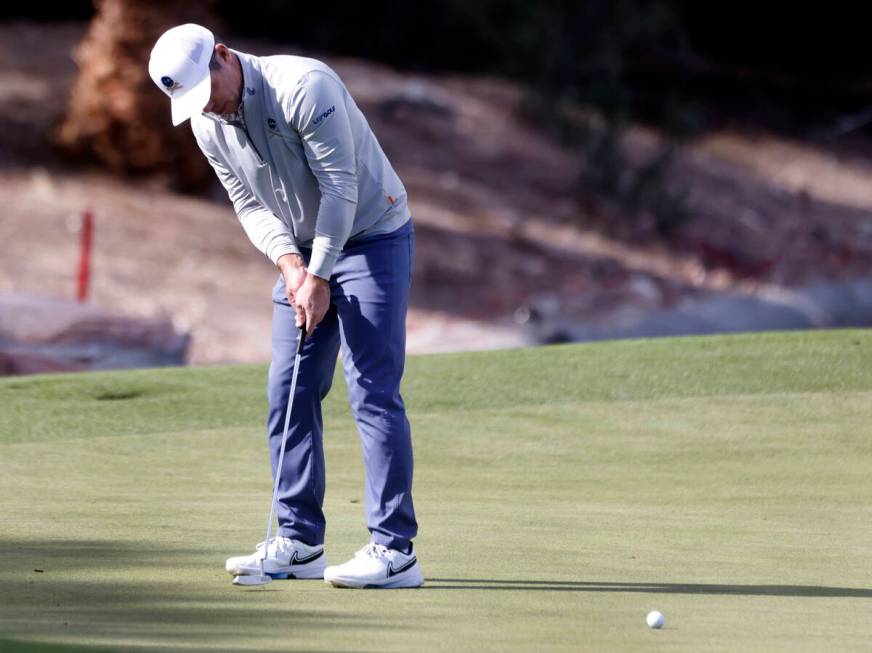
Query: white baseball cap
[[179, 65]]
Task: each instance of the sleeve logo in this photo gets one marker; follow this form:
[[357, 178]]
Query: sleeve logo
[[326, 114]]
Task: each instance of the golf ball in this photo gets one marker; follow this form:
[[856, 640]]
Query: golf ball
[[655, 619]]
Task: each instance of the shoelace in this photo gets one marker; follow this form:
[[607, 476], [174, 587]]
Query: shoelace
[[373, 550], [273, 548]]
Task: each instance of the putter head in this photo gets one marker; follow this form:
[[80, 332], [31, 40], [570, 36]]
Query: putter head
[[260, 579]]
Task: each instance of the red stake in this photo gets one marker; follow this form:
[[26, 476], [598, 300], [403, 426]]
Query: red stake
[[84, 276]]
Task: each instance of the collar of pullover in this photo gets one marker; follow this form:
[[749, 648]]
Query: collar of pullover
[[250, 85], [251, 78]]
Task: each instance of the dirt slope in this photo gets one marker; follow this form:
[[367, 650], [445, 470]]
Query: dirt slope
[[499, 219]]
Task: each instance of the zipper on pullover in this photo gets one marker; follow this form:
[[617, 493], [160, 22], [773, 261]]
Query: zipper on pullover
[[283, 199], [240, 124]]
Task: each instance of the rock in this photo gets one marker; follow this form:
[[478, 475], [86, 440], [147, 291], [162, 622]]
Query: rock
[[416, 97], [40, 334], [836, 304]]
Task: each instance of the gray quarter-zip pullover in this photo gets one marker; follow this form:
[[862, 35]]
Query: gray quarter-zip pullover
[[300, 162]]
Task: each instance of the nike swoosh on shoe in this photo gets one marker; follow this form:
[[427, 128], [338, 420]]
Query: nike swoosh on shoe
[[297, 560], [405, 567]]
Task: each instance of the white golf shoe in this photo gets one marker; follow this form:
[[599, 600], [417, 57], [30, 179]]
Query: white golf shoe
[[377, 567], [285, 558]]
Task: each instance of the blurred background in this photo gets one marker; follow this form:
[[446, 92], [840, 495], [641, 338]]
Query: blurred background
[[576, 171]]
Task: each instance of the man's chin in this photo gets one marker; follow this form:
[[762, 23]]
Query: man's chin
[[221, 112]]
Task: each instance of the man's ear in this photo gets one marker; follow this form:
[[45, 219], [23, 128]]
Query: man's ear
[[215, 59]]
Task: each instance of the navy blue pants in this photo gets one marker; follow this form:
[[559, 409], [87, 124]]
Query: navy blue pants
[[367, 323]]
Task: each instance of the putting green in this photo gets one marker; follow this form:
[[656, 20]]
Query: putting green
[[562, 492]]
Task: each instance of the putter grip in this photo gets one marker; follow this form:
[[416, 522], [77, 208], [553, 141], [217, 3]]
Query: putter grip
[[301, 340]]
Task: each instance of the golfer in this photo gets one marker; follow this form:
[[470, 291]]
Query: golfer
[[316, 194]]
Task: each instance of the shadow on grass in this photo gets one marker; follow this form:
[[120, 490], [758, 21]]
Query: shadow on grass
[[13, 646], [646, 588], [144, 594]]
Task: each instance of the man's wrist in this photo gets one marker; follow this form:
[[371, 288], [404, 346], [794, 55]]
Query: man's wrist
[[290, 262], [316, 278]]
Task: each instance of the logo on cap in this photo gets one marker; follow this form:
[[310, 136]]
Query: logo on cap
[[170, 84]]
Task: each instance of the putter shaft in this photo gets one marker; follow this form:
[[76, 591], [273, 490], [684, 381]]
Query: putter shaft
[[301, 339]]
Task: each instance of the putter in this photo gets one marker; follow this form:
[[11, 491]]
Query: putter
[[265, 578]]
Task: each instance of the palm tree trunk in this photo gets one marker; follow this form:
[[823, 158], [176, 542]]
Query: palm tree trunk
[[115, 114]]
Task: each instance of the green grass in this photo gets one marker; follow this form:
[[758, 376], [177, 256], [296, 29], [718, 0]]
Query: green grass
[[562, 492]]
